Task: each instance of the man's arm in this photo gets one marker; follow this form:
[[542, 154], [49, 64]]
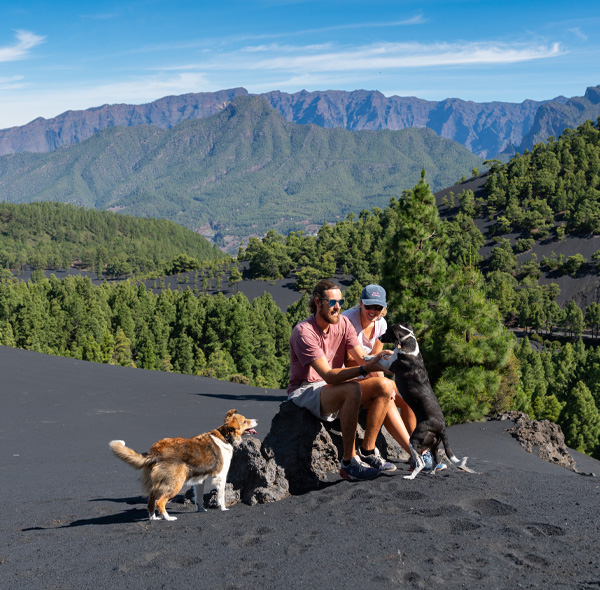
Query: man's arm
[[333, 376], [358, 353]]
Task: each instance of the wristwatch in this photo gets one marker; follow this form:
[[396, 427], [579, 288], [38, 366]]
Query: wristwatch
[[362, 371]]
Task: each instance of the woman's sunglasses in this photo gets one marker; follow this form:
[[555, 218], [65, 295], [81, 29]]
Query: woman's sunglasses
[[373, 307], [332, 302]]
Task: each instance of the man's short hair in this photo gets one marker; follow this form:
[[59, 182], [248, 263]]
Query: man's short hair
[[319, 291]]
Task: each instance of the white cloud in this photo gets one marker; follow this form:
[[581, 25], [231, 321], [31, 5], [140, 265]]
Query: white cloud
[[418, 19], [25, 41], [578, 33], [304, 60], [276, 47], [407, 55], [11, 82]]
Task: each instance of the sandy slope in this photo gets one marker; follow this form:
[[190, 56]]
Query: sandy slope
[[73, 515]]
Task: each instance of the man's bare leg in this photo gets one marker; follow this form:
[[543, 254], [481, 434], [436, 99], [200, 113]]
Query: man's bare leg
[[345, 397]]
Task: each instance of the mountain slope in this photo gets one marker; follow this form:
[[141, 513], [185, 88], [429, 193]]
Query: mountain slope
[[485, 129], [554, 117], [241, 171], [45, 135], [494, 129]]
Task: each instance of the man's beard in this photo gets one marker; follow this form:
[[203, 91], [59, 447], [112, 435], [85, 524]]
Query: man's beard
[[326, 314]]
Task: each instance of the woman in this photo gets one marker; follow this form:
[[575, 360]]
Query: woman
[[368, 319]]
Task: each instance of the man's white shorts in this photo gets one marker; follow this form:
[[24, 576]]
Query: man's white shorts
[[308, 396]]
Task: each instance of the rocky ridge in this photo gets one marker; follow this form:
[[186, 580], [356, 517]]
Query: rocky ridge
[[489, 130]]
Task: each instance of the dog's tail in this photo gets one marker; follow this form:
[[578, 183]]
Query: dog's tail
[[460, 463], [130, 456]]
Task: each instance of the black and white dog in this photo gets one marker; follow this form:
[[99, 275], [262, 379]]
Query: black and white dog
[[413, 384]]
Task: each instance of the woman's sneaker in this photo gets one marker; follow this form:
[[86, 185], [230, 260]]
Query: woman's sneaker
[[357, 470], [428, 462], [376, 460]]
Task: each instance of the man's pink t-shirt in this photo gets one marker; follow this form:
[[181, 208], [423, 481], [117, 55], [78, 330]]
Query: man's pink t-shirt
[[309, 343]]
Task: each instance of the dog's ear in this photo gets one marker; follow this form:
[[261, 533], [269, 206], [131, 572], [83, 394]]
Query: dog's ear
[[229, 414]]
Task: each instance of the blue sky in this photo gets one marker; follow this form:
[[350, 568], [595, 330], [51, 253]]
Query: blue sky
[[67, 55]]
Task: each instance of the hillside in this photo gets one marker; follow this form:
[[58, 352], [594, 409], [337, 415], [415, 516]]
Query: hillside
[[583, 288], [55, 235], [490, 130], [240, 172]]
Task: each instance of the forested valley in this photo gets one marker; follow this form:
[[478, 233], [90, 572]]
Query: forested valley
[[462, 307]]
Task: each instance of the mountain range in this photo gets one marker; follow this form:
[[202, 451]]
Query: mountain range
[[240, 172], [489, 130]]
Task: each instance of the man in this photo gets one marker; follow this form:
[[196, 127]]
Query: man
[[320, 383]]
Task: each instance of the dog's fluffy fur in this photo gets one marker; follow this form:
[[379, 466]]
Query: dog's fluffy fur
[[413, 385], [171, 462]]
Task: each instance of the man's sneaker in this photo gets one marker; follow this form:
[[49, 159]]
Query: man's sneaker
[[377, 461], [428, 462], [357, 470]]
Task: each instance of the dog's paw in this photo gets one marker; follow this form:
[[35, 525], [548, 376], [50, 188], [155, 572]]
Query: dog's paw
[[167, 517]]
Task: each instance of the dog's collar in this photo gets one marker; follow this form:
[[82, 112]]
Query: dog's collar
[[410, 334], [415, 352]]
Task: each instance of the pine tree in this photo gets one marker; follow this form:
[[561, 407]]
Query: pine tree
[[592, 318], [565, 372], [574, 319], [471, 351], [90, 350], [414, 272], [7, 337], [122, 351], [235, 276], [183, 354], [580, 420], [240, 337], [220, 364], [145, 356], [107, 348]]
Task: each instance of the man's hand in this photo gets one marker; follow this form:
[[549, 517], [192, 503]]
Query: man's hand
[[378, 363]]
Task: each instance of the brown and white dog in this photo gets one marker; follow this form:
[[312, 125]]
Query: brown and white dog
[[171, 462]]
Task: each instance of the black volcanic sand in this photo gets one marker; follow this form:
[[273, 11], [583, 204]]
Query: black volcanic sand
[[74, 517]]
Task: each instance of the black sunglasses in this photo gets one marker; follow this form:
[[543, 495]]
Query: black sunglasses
[[332, 302], [373, 307]]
